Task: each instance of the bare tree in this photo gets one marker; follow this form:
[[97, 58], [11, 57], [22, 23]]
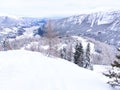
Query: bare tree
[[51, 38]]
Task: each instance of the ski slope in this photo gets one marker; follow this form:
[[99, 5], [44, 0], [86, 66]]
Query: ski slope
[[26, 70]]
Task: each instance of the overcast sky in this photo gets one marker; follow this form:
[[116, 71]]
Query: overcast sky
[[44, 8]]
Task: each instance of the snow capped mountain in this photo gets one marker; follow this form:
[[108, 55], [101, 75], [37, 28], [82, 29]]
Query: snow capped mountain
[[102, 26], [20, 21], [11, 27], [25, 70], [8, 21]]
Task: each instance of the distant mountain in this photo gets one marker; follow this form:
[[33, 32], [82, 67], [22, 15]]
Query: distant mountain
[[102, 26], [11, 27], [8, 21]]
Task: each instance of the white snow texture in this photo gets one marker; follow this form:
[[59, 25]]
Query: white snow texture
[[26, 70]]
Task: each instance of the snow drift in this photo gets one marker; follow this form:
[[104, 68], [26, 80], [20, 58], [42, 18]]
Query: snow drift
[[25, 70]]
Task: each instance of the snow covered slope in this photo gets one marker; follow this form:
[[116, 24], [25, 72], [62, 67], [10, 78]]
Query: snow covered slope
[[25, 70]]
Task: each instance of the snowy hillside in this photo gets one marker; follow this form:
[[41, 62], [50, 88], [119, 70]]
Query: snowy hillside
[[25, 70], [102, 26]]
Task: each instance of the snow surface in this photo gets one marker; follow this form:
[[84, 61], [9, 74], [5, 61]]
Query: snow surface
[[102, 68], [29, 31], [45, 47], [26, 70]]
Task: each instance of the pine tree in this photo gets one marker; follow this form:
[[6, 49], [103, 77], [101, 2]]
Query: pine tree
[[78, 55], [87, 61], [114, 74]]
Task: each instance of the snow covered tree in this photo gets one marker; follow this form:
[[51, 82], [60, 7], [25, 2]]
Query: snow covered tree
[[6, 45], [87, 61], [114, 73], [79, 55], [70, 52], [63, 53], [82, 58]]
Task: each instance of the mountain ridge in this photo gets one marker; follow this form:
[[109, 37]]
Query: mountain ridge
[[102, 26]]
